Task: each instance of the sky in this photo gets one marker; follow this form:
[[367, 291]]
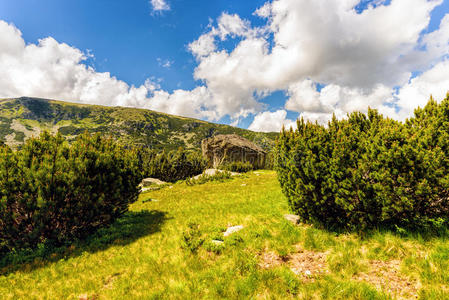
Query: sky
[[253, 64]]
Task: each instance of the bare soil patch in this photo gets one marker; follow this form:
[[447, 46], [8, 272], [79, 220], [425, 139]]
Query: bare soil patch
[[304, 263], [310, 265], [386, 276]]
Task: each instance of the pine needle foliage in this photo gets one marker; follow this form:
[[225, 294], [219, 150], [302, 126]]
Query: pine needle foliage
[[53, 192], [368, 171], [172, 165]]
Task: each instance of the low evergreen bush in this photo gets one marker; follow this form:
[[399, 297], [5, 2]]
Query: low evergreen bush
[[173, 165], [52, 192], [368, 171], [237, 166]]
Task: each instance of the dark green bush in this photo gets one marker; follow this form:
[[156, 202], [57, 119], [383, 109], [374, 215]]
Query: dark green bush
[[173, 165], [368, 171], [237, 166], [52, 192]]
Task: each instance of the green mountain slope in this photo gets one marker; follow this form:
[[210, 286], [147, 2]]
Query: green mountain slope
[[24, 117]]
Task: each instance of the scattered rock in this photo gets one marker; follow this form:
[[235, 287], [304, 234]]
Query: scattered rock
[[152, 181], [149, 200], [212, 172], [292, 218], [232, 230]]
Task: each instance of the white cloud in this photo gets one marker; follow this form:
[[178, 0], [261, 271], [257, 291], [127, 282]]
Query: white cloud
[[271, 121], [55, 70], [433, 82], [203, 46], [357, 58], [165, 63], [159, 5]]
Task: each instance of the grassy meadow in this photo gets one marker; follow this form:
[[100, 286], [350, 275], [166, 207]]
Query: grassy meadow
[[163, 249]]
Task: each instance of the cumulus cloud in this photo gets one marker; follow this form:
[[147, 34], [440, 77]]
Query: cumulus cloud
[[327, 56], [433, 82], [55, 70], [359, 58], [271, 121], [159, 5]]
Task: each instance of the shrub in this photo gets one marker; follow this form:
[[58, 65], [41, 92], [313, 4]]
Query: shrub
[[52, 192], [192, 238], [237, 166], [368, 171], [171, 166]]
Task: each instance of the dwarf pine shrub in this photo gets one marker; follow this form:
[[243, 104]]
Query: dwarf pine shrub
[[53, 192], [237, 166], [173, 165], [368, 171]]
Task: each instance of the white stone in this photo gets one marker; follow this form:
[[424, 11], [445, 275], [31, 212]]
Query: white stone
[[292, 218], [232, 229]]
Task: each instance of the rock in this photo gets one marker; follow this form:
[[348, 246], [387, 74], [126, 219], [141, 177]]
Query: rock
[[222, 149], [152, 181], [232, 230], [212, 172], [243, 184], [292, 218], [217, 242], [142, 190]]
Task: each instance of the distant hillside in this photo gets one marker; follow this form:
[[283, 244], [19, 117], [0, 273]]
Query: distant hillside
[[24, 117]]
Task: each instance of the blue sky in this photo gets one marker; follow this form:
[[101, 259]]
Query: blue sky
[[126, 37], [135, 43]]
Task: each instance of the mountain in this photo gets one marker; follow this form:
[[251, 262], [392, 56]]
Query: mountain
[[23, 117]]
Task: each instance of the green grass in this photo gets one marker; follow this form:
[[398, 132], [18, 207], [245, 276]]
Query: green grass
[[163, 249]]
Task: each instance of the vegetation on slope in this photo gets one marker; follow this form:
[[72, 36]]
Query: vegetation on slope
[[54, 193], [144, 254], [368, 171], [23, 117]]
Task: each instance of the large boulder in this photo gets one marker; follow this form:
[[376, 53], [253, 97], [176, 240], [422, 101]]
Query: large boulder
[[222, 149]]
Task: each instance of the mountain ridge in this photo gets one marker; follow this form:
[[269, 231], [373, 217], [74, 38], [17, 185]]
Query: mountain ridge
[[24, 117]]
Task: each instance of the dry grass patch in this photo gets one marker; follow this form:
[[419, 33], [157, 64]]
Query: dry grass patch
[[386, 276], [305, 263]]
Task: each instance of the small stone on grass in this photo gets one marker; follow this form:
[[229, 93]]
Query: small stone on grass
[[292, 218], [232, 229]]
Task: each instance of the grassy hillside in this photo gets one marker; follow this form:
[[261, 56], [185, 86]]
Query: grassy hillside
[[24, 117], [147, 254]]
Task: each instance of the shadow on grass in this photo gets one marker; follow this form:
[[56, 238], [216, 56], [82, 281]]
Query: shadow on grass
[[125, 230], [425, 233]]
